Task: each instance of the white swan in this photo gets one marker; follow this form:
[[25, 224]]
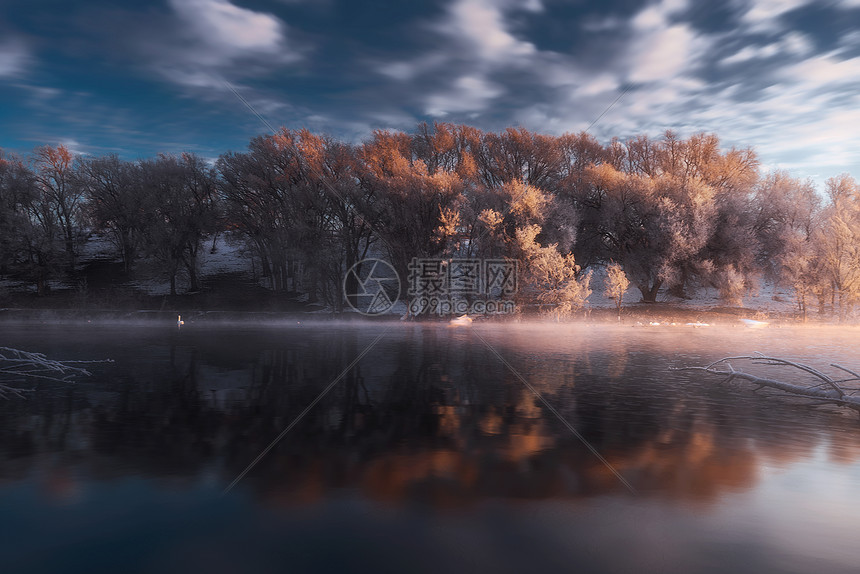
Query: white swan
[[179, 321]]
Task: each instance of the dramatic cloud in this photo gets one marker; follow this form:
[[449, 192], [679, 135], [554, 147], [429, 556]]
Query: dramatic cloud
[[231, 31], [476, 41], [480, 28], [218, 37], [781, 76], [661, 49]]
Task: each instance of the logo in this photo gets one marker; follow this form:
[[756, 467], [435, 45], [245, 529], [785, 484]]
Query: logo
[[371, 287], [461, 286]]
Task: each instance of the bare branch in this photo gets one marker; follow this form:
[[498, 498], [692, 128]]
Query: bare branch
[[17, 366], [825, 391], [856, 376], [761, 359]]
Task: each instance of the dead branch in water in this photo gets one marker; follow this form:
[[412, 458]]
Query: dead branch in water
[[18, 366], [823, 389]]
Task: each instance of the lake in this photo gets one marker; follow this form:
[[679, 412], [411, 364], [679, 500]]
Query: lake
[[432, 453]]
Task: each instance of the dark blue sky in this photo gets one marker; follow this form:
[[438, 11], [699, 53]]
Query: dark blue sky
[[137, 78]]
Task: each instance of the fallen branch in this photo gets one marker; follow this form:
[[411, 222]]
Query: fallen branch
[[825, 390], [17, 366]]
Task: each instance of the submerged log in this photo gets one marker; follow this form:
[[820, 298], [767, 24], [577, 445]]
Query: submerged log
[[822, 389]]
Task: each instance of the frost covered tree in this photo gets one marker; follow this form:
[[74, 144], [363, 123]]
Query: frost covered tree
[[410, 197], [551, 278], [616, 284], [262, 190], [671, 212], [786, 215], [179, 211], [114, 190], [302, 204], [838, 243]]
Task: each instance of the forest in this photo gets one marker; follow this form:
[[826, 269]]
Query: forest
[[665, 213]]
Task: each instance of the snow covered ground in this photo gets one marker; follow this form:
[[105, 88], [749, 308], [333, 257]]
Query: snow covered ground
[[767, 298], [226, 254]]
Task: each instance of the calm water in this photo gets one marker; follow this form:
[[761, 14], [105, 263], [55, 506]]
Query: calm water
[[429, 455]]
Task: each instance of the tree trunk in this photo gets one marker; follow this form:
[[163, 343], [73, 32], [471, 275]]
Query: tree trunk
[[649, 293], [195, 281], [351, 281], [127, 249]]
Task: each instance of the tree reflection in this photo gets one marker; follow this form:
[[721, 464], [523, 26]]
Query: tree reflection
[[428, 417]]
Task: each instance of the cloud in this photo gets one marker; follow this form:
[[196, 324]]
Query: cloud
[[74, 146], [795, 106], [476, 42], [799, 116], [661, 49], [218, 39], [662, 53], [13, 58], [791, 44], [230, 30], [824, 71], [466, 94], [764, 15], [798, 108], [481, 26]]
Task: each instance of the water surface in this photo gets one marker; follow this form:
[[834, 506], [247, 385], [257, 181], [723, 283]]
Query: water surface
[[429, 454]]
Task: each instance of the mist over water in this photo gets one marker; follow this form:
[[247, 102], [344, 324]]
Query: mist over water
[[429, 454]]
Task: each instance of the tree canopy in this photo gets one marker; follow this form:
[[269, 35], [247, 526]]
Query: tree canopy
[[670, 213]]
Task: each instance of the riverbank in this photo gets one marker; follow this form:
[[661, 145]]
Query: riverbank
[[230, 290]]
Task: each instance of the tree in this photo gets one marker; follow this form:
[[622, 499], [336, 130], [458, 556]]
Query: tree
[[260, 189], [616, 284], [29, 235], [115, 201], [549, 277], [519, 155], [17, 193], [409, 198], [786, 215], [670, 212], [302, 204], [61, 193], [345, 215], [180, 208]]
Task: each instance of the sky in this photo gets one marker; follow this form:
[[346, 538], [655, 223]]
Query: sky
[[139, 78]]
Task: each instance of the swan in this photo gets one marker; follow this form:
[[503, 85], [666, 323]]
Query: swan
[[179, 321]]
